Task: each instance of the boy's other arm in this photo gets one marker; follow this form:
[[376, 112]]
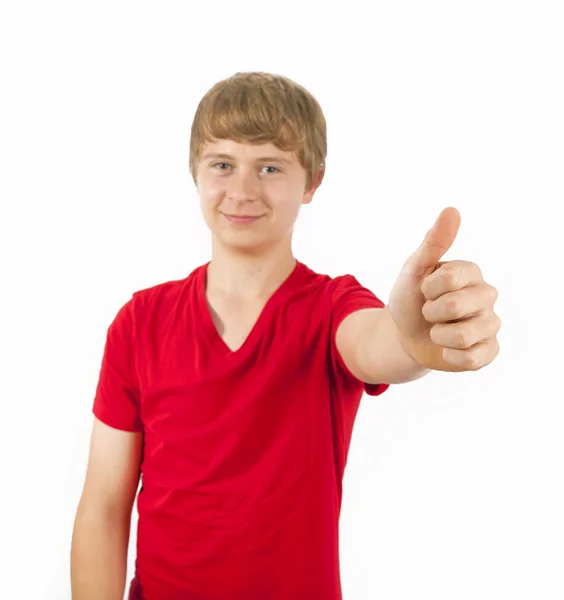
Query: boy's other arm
[[100, 537], [372, 348]]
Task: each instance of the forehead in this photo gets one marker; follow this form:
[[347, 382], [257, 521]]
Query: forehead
[[246, 151]]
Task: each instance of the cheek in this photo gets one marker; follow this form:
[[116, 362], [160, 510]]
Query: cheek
[[210, 199], [287, 208], [208, 185], [208, 210]]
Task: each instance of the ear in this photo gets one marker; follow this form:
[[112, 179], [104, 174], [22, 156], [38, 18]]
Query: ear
[[308, 196]]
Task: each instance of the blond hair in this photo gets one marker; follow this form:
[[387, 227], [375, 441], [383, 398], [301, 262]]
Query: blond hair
[[258, 108]]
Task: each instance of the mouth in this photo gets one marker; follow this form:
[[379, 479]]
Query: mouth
[[242, 218]]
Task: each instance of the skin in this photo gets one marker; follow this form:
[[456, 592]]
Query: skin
[[440, 317], [445, 310], [249, 261]]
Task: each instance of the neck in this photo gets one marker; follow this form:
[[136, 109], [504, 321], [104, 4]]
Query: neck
[[248, 276]]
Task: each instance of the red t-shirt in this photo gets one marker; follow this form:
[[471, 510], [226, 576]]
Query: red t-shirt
[[244, 452]]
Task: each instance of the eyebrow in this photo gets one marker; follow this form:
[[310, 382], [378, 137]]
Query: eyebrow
[[277, 159]]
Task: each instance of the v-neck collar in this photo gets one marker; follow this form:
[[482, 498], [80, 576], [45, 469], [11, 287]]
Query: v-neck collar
[[213, 336]]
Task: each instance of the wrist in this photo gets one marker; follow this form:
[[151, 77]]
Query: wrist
[[428, 354]]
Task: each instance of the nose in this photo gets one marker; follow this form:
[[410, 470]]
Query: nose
[[243, 186]]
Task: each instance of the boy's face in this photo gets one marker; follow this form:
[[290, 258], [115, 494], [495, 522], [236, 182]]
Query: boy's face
[[258, 181]]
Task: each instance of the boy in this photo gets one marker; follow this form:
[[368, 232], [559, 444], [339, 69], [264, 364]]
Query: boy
[[234, 391]]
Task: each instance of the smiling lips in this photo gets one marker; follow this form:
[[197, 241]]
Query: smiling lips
[[242, 218]]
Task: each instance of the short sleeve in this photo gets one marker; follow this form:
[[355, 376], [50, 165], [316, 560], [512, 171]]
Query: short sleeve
[[349, 296], [117, 398]]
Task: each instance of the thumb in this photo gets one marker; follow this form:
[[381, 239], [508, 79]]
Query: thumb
[[437, 242]]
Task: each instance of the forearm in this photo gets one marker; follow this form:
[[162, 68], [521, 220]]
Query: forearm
[[382, 356], [392, 359], [99, 555]]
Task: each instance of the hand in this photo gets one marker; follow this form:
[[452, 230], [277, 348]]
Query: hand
[[444, 310]]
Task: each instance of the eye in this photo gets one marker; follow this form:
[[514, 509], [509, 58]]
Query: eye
[[219, 164]]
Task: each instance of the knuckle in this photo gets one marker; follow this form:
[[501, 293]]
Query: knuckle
[[462, 338], [469, 361], [450, 274], [472, 362], [494, 293], [452, 307]]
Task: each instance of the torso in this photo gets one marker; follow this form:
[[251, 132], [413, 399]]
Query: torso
[[244, 451]]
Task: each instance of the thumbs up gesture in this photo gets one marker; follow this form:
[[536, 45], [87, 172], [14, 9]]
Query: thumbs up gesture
[[444, 311]]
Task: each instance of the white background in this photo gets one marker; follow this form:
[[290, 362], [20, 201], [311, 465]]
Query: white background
[[454, 486]]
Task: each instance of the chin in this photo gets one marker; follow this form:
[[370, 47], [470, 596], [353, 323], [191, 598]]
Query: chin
[[248, 244]]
